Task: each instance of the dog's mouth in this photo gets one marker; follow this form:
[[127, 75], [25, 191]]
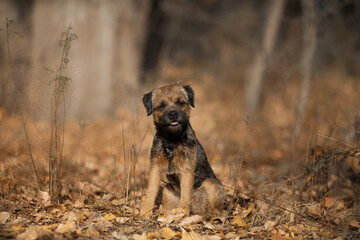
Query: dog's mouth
[[174, 124]]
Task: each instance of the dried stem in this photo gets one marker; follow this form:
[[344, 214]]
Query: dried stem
[[58, 117]]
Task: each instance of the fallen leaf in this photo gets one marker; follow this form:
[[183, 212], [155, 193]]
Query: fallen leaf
[[4, 216], [119, 235], [213, 237], [69, 226], [355, 224], [329, 202], [191, 220], [237, 220], [167, 219], [255, 230], [103, 224], [339, 205], [189, 235], [72, 216], [44, 198], [139, 237], [314, 210], [152, 235], [16, 228], [167, 233], [209, 226], [269, 224], [122, 219], [91, 232], [109, 216], [29, 234]]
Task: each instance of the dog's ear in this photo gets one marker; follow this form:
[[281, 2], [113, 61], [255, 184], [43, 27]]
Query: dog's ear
[[190, 94], [147, 101]]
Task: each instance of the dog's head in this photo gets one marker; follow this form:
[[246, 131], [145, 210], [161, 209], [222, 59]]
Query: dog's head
[[170, 106]]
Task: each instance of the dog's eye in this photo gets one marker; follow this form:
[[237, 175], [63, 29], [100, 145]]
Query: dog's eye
[[180, 102], [160, 106]]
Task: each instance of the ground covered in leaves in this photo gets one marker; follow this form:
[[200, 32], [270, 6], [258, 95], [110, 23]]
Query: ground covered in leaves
[[277, 188]]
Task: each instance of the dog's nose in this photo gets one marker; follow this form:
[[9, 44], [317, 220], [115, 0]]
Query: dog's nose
[[173, 114]]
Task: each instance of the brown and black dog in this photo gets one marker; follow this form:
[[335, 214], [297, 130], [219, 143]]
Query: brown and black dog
[[178, 158]]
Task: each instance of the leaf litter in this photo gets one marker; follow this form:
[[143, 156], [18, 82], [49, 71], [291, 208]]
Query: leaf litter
[[101, 196]]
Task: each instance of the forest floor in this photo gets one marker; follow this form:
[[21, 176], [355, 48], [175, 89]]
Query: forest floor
[[277, 187]]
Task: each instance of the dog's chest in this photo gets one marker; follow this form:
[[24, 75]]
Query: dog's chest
[[175, 159]]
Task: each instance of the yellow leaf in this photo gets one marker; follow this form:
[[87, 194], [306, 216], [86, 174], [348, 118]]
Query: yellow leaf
[[109, 216], [329, 202], [152, 235], [355, 224], [167, 233], [16, 228], [237, 220], [69, 226], [185, 235]]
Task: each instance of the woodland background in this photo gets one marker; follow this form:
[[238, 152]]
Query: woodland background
[[277, 110]]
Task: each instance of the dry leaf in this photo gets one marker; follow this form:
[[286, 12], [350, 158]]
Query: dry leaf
[[269, 224], [122, 219], [254, 230], [167, 233], [109, 216], [355, 224], [189, 235], [103, 224], [139, 237], [191, 220], [329, 202], [167, 219], [152, 235], [339, 205], [237, 220], [69, 226], [4, 216], [91, 232], [209, 226], [72, 216], [29, 234], [119, 235], [44, 198], [314, 210]]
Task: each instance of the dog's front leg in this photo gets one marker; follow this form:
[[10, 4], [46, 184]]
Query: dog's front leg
[[186, 185], [152, 191]]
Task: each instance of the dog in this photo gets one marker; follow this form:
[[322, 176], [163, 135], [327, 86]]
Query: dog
[[178, 159]]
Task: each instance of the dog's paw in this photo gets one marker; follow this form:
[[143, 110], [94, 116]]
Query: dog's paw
[[179, 211]]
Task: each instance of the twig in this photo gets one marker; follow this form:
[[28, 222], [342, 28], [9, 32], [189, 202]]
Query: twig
[[327, 180], [338, 141], [312, 172]]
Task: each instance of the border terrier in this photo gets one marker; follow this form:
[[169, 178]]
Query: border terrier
[[178, 159]]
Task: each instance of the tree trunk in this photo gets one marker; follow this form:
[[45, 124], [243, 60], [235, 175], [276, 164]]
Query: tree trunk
[[253, 90], [309, 20], [105, 60]]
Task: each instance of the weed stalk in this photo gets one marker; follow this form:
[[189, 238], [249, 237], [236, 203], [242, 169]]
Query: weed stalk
[[58, 116]]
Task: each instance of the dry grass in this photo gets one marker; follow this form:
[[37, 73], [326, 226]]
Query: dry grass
[[105, 163]]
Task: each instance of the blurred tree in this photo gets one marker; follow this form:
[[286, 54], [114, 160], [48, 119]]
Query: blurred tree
[[309, 46], [106, 60], [253, 90]]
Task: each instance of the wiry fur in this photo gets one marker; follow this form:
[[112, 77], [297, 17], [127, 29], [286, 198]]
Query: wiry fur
[[178, 158]]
